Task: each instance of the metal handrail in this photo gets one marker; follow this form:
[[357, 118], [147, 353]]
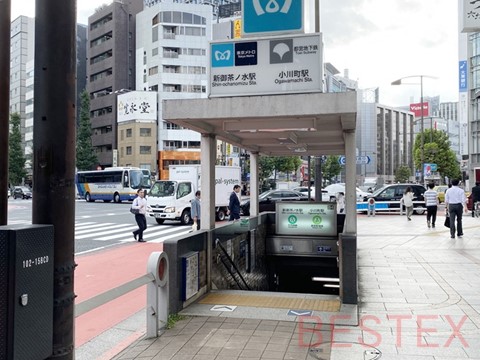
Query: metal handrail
[[217, 242], [156, 280], [112, 294]]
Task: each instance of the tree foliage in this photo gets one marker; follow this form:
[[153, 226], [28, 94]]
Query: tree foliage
[[86, 156], [266, 168], [269, 165], [402, 174], [286, 164], [16, 157], [436, 150], [331, 168]]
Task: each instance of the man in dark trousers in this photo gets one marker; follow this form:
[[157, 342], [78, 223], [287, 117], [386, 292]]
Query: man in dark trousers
[[475, 196], [234, 204]]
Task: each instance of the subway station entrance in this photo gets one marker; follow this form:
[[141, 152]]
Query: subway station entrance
[[253, 253]]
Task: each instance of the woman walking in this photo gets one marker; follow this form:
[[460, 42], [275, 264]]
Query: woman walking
[[140, 203], [407, 200], [431, 202]]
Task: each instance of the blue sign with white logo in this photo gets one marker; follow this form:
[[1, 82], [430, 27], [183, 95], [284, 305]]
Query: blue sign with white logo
[[462, 76], [360, 160], [223, 55], [272, 16]]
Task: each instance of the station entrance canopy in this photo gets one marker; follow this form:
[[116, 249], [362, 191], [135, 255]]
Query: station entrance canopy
[[276, 125]]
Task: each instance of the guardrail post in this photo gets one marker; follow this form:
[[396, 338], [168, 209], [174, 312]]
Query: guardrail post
[[157, 293]]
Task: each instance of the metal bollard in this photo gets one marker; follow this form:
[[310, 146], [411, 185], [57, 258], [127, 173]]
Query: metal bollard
[[157, 293], [371, 207]]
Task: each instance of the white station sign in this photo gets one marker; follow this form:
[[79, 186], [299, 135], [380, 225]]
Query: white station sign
[[275, 65]]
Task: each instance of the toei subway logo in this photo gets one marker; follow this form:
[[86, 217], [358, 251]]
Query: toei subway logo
[[272, 6], [270, 16]]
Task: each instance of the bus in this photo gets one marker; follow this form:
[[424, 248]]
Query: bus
[[115, 184]]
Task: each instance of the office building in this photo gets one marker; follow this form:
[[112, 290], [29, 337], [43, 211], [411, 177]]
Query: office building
[[22, 78], [172, 41], [22, 49], [110, 70]]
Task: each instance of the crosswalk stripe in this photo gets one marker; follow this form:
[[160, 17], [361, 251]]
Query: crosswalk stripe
[[108, 230], [150, 231], [120, 232], [162, 239], [79, 229]]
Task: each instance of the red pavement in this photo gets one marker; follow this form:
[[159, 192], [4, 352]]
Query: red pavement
[[101, 271]]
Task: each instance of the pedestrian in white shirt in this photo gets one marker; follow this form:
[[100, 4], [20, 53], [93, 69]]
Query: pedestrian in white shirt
[[456, 202], [431, 202], [407, 200], [140, 203]]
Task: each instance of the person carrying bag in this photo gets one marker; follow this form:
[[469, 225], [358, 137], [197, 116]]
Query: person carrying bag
[[447, 219]]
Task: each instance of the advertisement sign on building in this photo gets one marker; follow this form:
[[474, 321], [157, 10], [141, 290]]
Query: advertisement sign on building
[[428, 169], [237, 29], [260, 17], [137, 105], [266, 66], [471, 16], [417, 109], [462, 76]]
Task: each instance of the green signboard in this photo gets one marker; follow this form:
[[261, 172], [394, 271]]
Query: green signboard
[[318, 219]]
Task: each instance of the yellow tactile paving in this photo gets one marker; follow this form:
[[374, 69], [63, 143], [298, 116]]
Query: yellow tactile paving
[[277, 302]]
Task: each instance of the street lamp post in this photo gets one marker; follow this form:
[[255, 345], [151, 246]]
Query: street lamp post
[[399, 82]]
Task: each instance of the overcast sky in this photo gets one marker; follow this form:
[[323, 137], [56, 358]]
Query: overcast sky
[[378, 41]]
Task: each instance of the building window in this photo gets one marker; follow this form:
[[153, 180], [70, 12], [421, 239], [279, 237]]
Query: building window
[[100, 93], [101, 57], [153, 70], [145, 132], [145, 150], [129, 150], [155, 34], [129, 133], [101, 75], [101, 39], [100, 112], [101, 22]]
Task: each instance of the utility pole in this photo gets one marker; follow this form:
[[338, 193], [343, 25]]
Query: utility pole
[[5, 9], [399, 82], [54, 154], [422, 150]]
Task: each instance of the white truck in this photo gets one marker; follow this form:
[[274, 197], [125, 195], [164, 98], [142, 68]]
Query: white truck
[[170, 199]]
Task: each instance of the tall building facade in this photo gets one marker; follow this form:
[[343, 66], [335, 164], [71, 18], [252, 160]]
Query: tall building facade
[[81, 64], [110, 69], [171, 55], [22, 49], [394, 141], [473, 97], [22, 77]]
